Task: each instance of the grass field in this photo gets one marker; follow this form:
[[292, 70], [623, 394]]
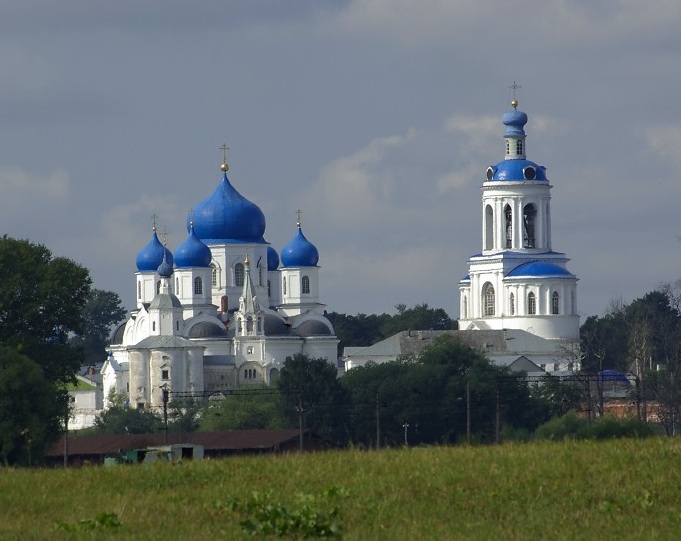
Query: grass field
[[619, 489]]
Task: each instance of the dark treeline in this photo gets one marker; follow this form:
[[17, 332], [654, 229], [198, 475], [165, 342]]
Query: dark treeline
[[366, 330]]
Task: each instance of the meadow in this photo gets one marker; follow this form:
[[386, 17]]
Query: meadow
[[617, 489]]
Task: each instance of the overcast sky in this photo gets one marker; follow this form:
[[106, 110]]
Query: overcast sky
[[377, 118]]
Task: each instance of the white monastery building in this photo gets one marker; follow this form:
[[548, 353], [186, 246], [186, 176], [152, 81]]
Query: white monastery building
[[220, 313]]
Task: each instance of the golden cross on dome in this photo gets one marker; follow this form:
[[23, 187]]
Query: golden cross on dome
[[298, 212], [515, 86], [224, 149], [153, 222], [165, 236], [190, 215]]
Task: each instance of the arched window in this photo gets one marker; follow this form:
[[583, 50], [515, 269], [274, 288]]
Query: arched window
[[305, 285], [508, 215], [284, 288], [249, 324], [139, 290], [213, 275], [198, 286], [158, 287], [554, 302], [259, 273], [239, 275], [177, 285], [529, 215], [519, 146], [511, 304], [488, 299], [531, 304], [465, 307]]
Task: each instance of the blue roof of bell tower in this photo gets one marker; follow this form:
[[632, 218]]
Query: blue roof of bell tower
[[514, 121]]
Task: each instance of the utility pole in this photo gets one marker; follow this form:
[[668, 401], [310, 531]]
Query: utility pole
[[378, 421], [164, 390], [299, 409], [406, 433], [468, 412]]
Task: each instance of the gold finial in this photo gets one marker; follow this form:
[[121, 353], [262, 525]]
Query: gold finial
[[190, 215], [515, 86], [165, 236], [247, 261], [224, 167], [298, 212], [153, 222]]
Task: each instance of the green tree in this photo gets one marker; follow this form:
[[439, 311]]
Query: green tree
[[254, 409], [31, 409], [119, 418], [310, 390], [41, 306], [102, 310]]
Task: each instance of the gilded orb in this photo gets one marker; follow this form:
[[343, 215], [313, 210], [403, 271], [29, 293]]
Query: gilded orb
[[514, 103], [224, 167]]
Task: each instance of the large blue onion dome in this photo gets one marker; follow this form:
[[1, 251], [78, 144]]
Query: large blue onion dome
[[537, 269], [517, 169], [272, 259], [227, 216], [300, 252], [514, 121], [151, 256], [192, 252]]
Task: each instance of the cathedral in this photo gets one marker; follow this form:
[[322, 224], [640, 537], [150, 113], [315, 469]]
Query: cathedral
[[221, 312]]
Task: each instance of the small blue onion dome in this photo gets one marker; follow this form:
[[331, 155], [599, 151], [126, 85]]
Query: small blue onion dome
[[226, 216], [192, 252], [165, 269], [272, 259], [151, 256], [514, 121], [300, 252], [517, 169]]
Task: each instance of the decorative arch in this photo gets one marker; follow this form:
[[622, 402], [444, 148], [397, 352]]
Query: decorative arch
[[531, 303], [305, 285], [239, 275], [198, 286], [529, 217], [555, 303], [508, 226]]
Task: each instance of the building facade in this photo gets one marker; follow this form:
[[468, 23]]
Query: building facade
[[222, 312]]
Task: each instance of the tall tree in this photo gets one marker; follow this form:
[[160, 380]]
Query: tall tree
[[41, 306], [31, 409], [312, 394], [102, 310]]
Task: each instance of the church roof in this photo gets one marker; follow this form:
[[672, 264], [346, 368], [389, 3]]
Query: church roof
[[519, 170], [300, 252], [192, 252], [164, 342], [207, 329], [226, 216], [540, 269], [151, 256]]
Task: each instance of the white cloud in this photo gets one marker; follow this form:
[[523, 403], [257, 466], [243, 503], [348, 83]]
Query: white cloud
[[21, 188]]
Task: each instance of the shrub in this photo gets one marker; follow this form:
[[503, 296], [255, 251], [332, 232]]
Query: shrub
[[572, 426]]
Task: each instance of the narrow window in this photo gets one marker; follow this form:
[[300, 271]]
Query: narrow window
[[508, 147], [306, 285], [165, 375], [531, 304], [519, 147], [198, 286], [158, 287], [488, 299], [284, 288], [177, 285], [465, 307], [213, 276], [177, 325], [239, 275], [529, 214], [139, 290], [489, 228], [511, 304], [153, 325], [554, 302], [508, 215], [259, 274], [249, 324], [269, 289]]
